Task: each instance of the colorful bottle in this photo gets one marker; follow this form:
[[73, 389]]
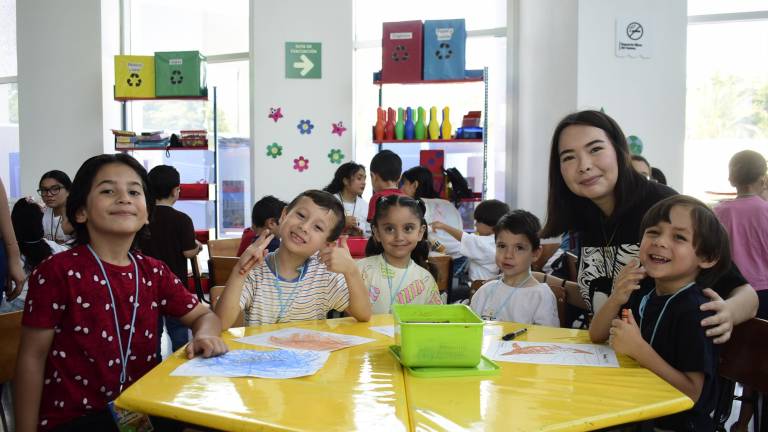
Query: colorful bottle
[[389, 127], [400, 125], [409, 126], [378, 129], [420, 131], [434, 129], [445, 128]]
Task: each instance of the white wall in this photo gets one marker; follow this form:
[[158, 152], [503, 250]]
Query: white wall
[[61, 99], [324, 101]]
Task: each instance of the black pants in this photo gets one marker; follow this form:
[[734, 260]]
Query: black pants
[[101, 421]]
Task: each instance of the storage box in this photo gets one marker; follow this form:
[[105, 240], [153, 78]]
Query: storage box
[[180, 73], [438, 335], [356, 246], [434, 160], [444, 49], [401, 51], [134, 76], [193, 191]]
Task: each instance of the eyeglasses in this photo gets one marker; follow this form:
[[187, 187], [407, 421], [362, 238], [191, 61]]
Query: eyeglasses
[[52, 191]]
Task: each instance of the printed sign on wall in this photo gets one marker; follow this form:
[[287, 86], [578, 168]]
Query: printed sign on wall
[[633, 38], [303, 60]]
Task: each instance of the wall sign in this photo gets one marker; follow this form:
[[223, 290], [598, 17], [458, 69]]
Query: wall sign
[[303, 60], [633, 38]]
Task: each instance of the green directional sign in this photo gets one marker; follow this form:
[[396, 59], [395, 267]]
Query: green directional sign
[[303, 60]]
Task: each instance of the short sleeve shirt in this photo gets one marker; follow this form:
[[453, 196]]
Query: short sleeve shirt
[[531, 305], [68, 293], [481, 253], [388, 285], [171, 233], [375, 199]]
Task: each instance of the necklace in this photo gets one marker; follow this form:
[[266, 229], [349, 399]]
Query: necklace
[[55, 230], [284, 306], [354, 203], [393, 294]]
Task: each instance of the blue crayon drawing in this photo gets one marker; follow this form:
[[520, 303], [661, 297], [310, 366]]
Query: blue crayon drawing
[[262, 364]]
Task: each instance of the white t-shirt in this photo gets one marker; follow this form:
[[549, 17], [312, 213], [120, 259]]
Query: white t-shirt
[[443, 211], [52, 224], [481, 253], [358, 209], [387, 284], [530, 305]]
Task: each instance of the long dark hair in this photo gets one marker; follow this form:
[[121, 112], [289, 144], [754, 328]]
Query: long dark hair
[[27, 218], [344, 171], [59, 176], [565, 210], [83, 183], [426, 188], [421, 252]]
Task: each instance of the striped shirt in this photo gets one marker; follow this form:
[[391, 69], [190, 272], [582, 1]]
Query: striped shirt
[[318, 292]]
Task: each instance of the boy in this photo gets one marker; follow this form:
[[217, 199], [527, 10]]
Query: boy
[[683, 249], [295, 283], [516, 296], [264, 216], [479, 248], [386, 168], [172, 240]]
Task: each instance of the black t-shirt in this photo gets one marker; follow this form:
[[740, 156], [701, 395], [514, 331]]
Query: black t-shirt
[[680, 341], [171, 233]]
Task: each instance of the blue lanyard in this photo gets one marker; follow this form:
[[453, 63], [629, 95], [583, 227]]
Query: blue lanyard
[[644, 303], [124, 354], [390, 273], [492, 316], [284, 306]]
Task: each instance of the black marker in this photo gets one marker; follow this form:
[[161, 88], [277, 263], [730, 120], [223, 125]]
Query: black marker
[[514, 334]]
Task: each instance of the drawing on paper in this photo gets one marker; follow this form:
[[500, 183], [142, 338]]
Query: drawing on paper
[[549, 353], [262, 364], [544, 349], [303, 339]]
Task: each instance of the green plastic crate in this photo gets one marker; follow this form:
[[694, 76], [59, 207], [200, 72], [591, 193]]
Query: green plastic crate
[[435, 335], [180, 73]]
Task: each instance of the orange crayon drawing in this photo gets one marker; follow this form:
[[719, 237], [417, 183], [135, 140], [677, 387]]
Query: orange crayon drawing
[[544, 349], [308, 341]]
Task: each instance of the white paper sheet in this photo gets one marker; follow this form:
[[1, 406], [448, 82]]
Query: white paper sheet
[[387, 330], [303, 339], [550, 353], [262, 364]]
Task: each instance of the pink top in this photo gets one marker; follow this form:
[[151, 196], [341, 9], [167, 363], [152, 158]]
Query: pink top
[[746, 220]]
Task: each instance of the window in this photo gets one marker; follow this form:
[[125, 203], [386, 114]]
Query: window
[[727, 99], [9, 101]]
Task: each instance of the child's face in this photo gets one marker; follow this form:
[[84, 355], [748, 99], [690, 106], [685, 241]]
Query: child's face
[[116, 203], [356, 183], [399, 231], [514, 253], [304, 230], [667, 252], [482, 229]]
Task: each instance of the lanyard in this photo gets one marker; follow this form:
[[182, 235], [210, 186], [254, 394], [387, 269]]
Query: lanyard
[[644, 303], [390, 273], [124, 354], [58, 224], [492, 316], [354, 205], [285, 305]]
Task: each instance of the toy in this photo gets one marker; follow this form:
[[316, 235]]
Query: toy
[[389, 127], [445, 128], [420, 131], [434, 129], [400, 125], [409, 126]]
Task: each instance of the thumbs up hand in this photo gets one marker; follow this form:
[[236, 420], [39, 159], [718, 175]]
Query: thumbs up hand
[[337, 257]]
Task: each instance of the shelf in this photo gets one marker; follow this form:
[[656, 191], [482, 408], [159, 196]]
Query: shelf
[[163, 98], [448, 141], [206, 148], [458, 81]]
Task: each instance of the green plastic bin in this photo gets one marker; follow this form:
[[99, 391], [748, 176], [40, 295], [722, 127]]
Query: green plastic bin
[[438, 335], [180, 73]]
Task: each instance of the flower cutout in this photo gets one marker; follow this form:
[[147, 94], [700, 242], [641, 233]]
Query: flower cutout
[[276, 113], [305, 127], [338, 128], [274, 150], [336, 156], [301, 164]]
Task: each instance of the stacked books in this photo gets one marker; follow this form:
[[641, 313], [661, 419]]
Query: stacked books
[[126, 140]]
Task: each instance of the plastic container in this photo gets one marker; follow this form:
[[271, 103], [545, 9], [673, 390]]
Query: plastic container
[[180, 73], [444, 49], [438, 335], [401, 51], [134, 76]]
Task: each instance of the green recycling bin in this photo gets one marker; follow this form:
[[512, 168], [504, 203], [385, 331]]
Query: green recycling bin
[[180, 74]]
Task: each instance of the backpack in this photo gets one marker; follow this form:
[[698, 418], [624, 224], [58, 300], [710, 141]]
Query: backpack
[[459, 186]]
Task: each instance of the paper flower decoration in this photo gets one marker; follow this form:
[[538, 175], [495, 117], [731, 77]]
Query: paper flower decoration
[[338, 128], [336, 156], [274, 150], [301, 164], [305, 127], [275, 114]]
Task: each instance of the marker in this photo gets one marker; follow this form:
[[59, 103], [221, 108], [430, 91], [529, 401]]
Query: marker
[[514, 334], [625, 315]]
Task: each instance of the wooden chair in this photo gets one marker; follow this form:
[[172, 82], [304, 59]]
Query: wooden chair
[[216, 292], [10, 332], [547, 250], [219, 269], [444, 266], [742, 359], [223, 247]]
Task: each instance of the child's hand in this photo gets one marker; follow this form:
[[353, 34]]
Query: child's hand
[[437, 225], [350, 221], [207, 346], [337, 258], [255, 253], [627, 281], [625, 336]]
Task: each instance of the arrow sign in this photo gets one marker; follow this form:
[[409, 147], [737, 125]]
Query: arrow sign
[[303, 60]]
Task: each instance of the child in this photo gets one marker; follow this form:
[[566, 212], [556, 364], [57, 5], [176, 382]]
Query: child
[[397, 271], [683, 249], [171, 240], [264, 217], [295, 283], [479, 248], [54, 189], [348, 185], [27, 218], [87, 330], [386, 167], [516, 296], [746, 221]]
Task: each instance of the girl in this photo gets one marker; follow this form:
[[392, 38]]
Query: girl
[[54, 189], [88, 328], [27, 217], [396, 269], [348, 185], [595, 193]]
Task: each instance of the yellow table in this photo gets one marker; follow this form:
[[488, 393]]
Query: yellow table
[[364, 388]]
